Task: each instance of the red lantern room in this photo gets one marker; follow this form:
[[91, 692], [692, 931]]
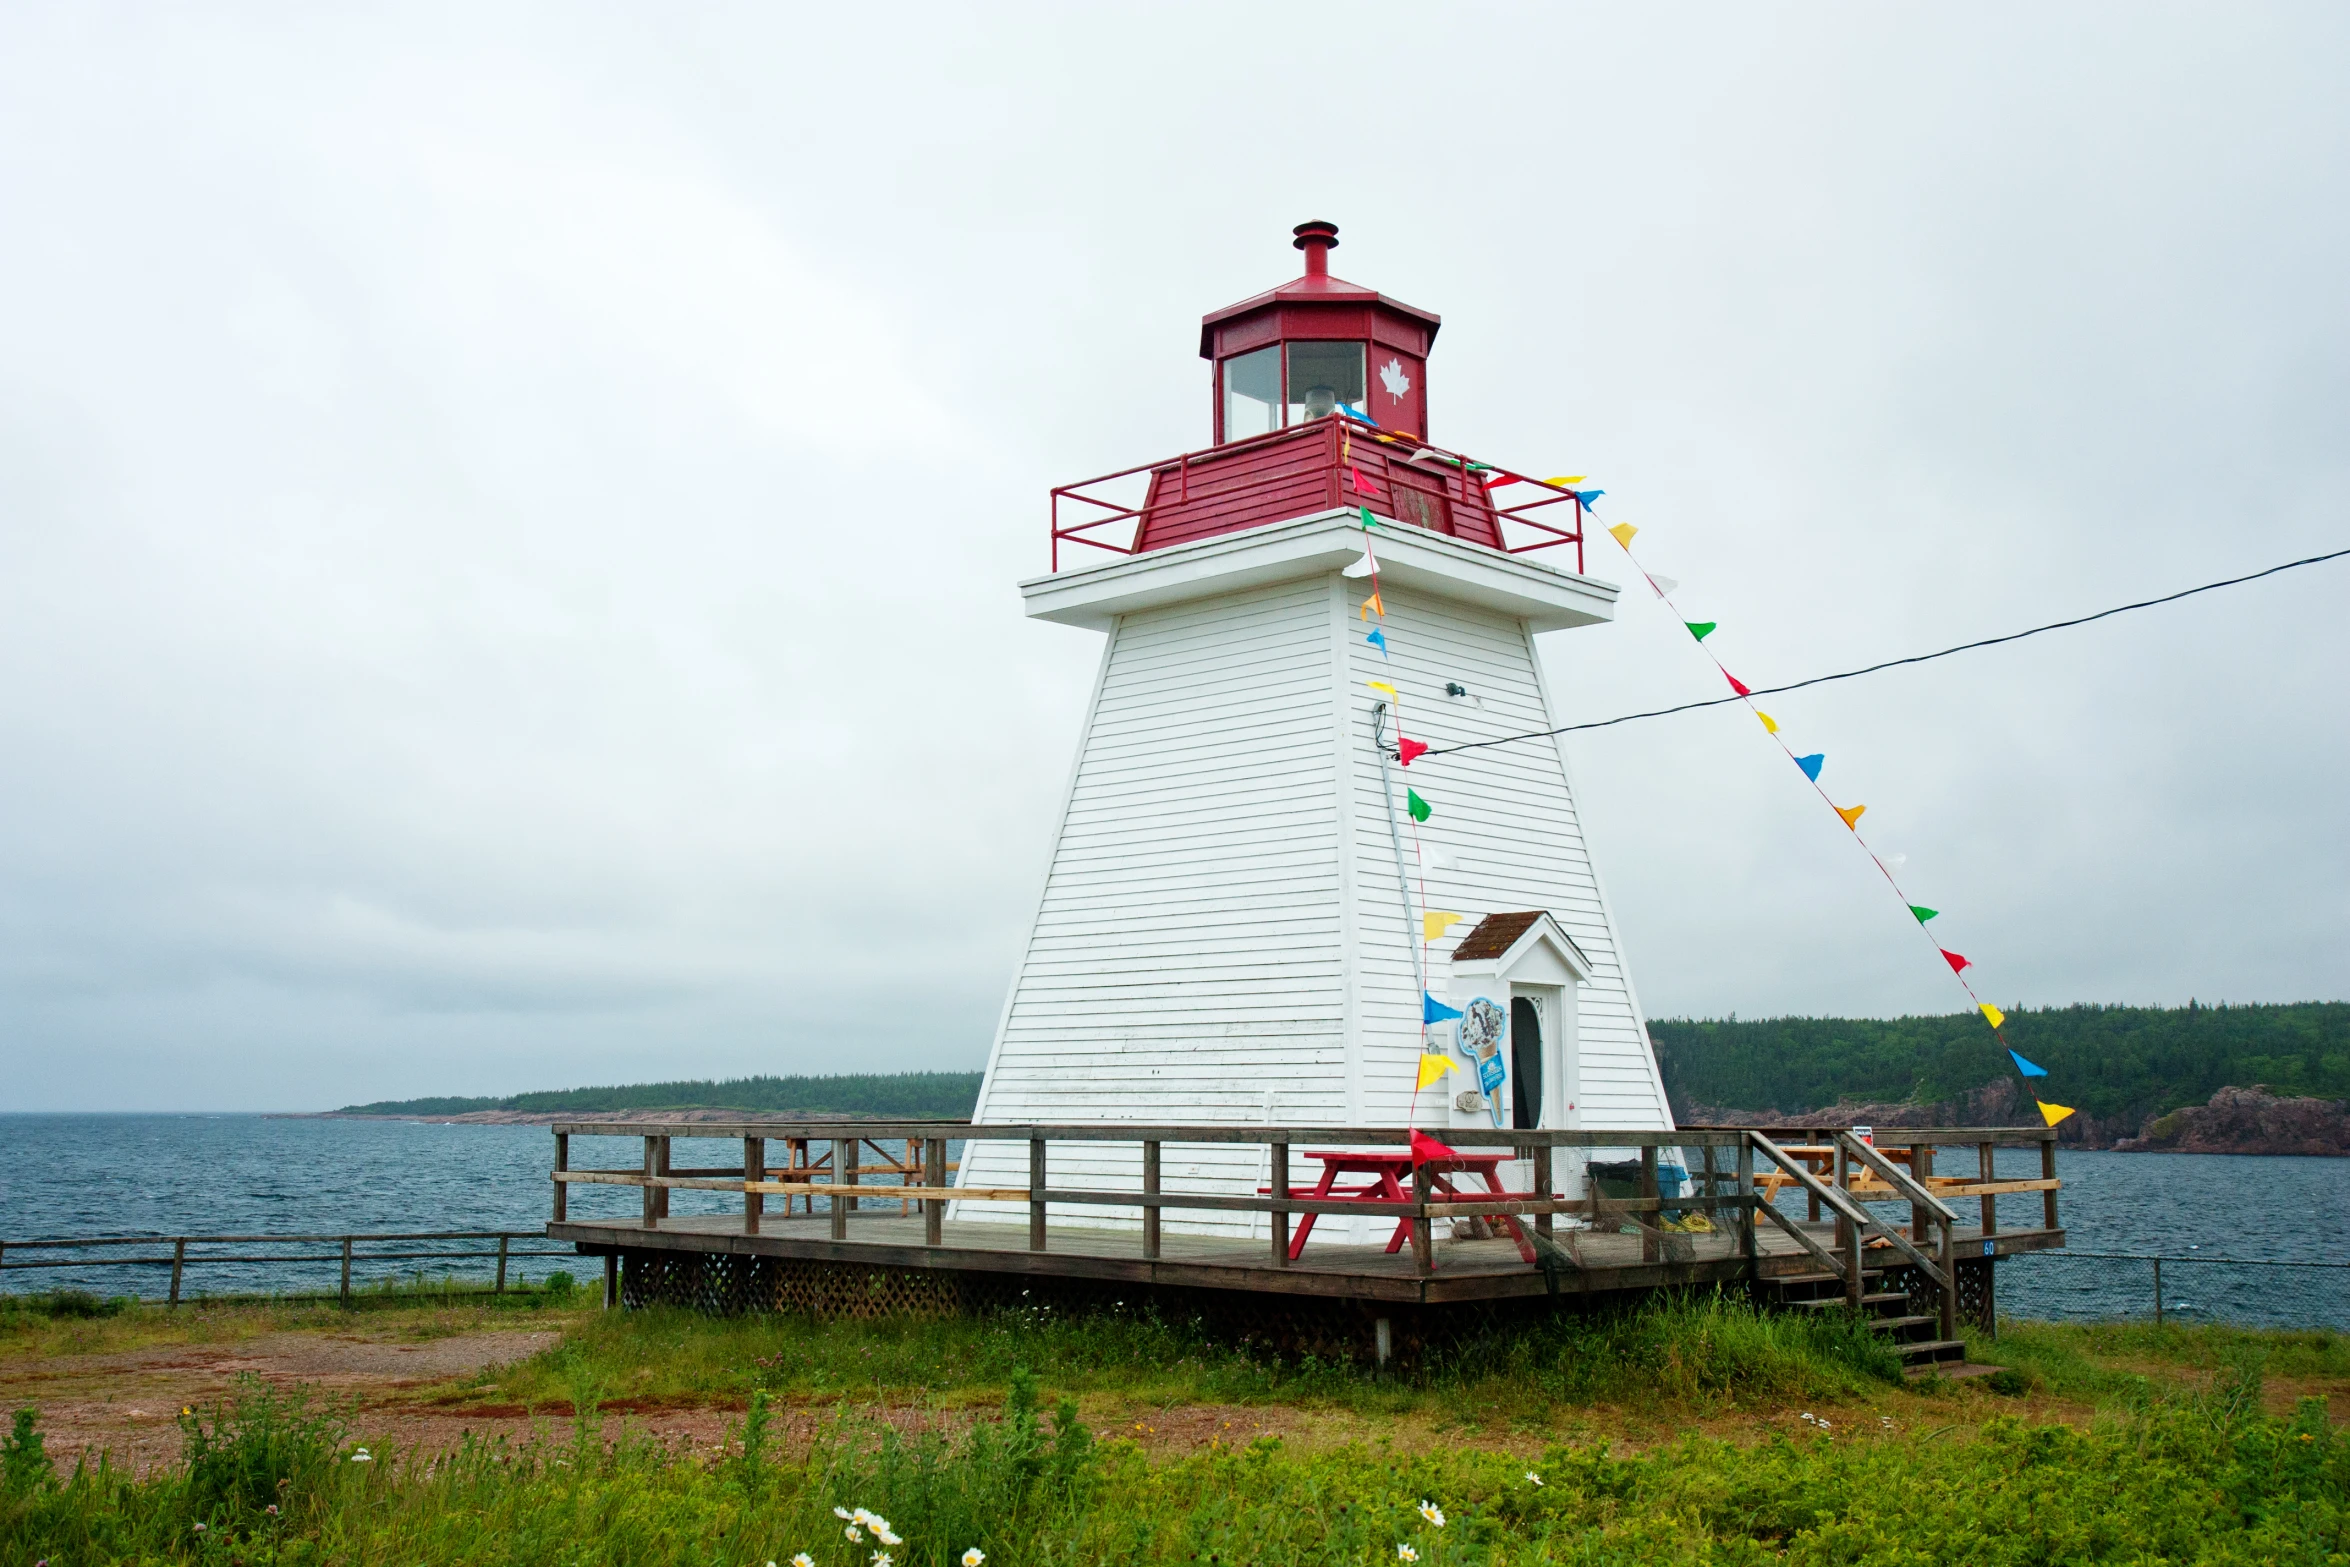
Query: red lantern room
[[1317, 345], [1319, 404]]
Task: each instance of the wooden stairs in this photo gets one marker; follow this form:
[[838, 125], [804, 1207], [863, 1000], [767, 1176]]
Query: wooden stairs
[[1887, 1311]]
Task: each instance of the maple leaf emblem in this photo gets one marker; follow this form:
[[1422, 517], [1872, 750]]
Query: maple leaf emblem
[[1392, 377]]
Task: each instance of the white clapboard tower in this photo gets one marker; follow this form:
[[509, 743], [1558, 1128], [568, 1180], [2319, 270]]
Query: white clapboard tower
[[1230, 926]]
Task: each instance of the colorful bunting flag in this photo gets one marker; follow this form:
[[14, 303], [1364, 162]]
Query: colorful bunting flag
[[2052, 1113], [1851, 815], [1700, 629], [1996, 1018], [1570, 480], [1955, 961], [1407, 750], [1622, 533], [1378, 639], [1369, 521], [1384, 688], [1435, 1011], [1432, 1067], [2026, 1067], [1922, 912], [1770, 724], [1426, 1148], [1812, 764], [1417, 806], [1360, 487], [1366, 567], [1662, 585], [1372, 606], [1589, 498], [1436, 922], [1736, 684]]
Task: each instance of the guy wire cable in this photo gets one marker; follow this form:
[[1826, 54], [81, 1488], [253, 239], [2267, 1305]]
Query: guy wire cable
[[1891, 663]]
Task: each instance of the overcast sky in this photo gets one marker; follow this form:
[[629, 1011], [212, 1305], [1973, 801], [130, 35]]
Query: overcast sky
[[509, 518]]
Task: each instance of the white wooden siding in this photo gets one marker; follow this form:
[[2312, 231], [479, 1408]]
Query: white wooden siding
[[1221, 936]]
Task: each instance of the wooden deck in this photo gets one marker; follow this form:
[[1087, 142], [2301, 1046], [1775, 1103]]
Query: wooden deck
[[1464, 1270]]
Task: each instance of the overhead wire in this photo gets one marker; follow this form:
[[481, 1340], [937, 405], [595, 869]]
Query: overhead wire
[[1891, 663]]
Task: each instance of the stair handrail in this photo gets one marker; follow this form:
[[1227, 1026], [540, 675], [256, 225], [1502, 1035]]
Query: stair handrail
[[1859, 1217], [1896, 1177]]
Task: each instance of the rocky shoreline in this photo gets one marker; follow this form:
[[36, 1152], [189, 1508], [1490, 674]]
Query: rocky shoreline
[[2237, 1120]]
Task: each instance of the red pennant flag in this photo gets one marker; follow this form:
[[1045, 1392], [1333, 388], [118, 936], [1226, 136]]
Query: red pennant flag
[[1425, 1147], [1953, 959], [1406, 750], [1736, 684]]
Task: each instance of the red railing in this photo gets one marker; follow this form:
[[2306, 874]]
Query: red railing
[[1169, 483]]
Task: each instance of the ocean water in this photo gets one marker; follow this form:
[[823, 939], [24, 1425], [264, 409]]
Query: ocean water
[[167, 1175]]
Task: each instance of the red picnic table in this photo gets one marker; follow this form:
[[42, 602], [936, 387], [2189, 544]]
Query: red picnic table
[[1385, 1174]]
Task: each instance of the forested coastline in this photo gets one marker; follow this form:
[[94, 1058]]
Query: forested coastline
[[2118, 1066]]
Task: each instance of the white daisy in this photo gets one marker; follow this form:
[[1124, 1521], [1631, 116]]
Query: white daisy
[[801, 1560], [1433, 1513], [973, 1557], [1404, 1553], [856, 1536], [1533, 1478]]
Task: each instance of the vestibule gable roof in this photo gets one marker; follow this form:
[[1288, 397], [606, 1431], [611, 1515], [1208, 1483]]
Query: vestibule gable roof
[[1498, 936]]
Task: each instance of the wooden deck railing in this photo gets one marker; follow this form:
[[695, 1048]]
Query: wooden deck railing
[[267, 1252], [1839, 1173]]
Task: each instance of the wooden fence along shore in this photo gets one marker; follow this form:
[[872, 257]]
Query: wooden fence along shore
[[886, 1213], [180, 1253]]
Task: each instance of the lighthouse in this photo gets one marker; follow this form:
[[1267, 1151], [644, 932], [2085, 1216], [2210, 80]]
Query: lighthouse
[[1276, 888]]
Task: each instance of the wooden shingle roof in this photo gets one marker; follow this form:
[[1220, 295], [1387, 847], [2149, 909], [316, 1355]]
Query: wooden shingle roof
[[1494, 936]]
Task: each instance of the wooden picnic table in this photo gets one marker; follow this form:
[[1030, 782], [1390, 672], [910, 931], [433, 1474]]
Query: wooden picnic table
[[1383, 1173]]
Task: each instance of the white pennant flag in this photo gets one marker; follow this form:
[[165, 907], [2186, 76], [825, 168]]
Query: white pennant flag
[[1362, 568], [1663, 585]]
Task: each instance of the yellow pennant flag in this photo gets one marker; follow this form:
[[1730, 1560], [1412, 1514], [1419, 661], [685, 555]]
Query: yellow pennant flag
[[2048, 1112], [1851, 815], [1769, 723], [1996, 1016], [1383, 688], [1572, 478], [1436, 922], [1432, 1067], [1372, 606], [1622, 533]]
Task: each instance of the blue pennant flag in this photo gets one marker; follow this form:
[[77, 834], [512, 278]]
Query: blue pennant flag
[[1378, 639], [2026, 1067], [1352, 412], [1588, 497], [1435, 1011], [1812, 764]]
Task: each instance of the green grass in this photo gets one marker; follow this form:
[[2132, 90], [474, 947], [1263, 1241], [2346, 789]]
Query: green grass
[[2202, 1477], [1703, 1350]]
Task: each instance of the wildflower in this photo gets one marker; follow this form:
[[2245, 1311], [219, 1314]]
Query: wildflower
[[882, 1533], [1404, 1553], [845, 1515], [1433, 1513], [271, 1509], [362, 1456], [199, 1528], [856, 1536], [881, 1559], [801, 1560], [1532, 1478], [973, 1557]]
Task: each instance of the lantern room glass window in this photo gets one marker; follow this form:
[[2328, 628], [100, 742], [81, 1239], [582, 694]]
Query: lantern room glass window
[[1321, 377], [1252, 394]]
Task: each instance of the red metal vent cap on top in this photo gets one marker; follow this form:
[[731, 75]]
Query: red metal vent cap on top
[[1371, 313]]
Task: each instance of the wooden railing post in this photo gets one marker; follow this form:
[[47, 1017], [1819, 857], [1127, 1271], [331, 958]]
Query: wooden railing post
[[1544, 1222], [1855, 1279], [1279, 1192], [661, 1193], [1921, 1167], [179, 1261], [1990, 1173], [1651, 1243], [652, 1211], [1948, 1258], [754, 1169], [1150, 1211], [1746, 1214], [611, 1279], [562, 1163], [1423, 1240], [1036, 1184], [844, 1173], [934, 1176], [500, 1288], [2048, 1173], [346, 1290]]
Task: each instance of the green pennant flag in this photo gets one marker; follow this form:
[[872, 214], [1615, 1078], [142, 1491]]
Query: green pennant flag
[[1369, 521], [1922, 912], [1700, 629], [1417, 806]]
